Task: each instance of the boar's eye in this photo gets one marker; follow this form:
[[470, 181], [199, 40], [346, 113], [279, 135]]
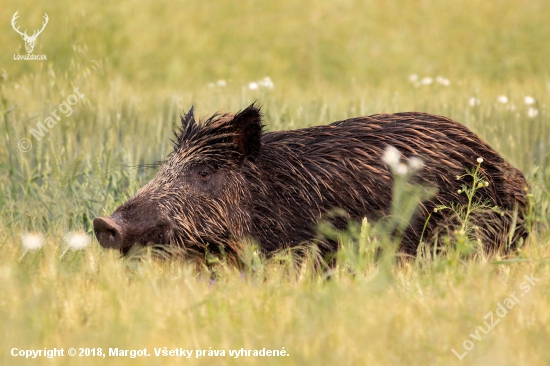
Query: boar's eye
[[204, 174]]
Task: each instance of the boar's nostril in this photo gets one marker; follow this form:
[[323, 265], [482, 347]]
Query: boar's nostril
[[108, 232]]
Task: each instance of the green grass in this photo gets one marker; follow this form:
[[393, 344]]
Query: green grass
[[142, 64]]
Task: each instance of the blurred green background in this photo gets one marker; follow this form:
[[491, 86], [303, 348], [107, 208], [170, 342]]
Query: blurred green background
[[307, 44]]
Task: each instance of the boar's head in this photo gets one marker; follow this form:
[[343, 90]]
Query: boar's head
[[199, 200]]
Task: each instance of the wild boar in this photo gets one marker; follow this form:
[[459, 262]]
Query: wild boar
[[228, 181]]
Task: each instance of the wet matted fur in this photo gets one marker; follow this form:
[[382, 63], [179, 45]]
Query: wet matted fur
[[228, 181]]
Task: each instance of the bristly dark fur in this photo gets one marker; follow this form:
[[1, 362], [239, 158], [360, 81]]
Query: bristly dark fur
[[340, 165], [226, 181]]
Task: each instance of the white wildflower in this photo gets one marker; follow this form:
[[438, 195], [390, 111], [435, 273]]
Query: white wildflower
[[253, 85], [426, 81], [415, 163], [529, 100], [413, 78], [480, 160], [32, 241], [401, 169], [77, 240], [221, 83], [473, 101], [266, 82], [532, 112], [502, 99], [391, 156], [443, 81]]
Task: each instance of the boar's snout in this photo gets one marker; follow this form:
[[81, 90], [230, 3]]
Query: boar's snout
[[108, 232]]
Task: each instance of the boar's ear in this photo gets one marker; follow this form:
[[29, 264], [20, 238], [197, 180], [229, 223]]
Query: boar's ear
[[247, 131]]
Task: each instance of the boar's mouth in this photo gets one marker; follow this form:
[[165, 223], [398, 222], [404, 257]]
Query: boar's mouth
[[114, 233]]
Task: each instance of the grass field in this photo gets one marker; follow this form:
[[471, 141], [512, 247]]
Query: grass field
[[140, 65]]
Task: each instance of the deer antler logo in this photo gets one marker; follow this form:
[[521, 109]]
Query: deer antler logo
[[30, 41]]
